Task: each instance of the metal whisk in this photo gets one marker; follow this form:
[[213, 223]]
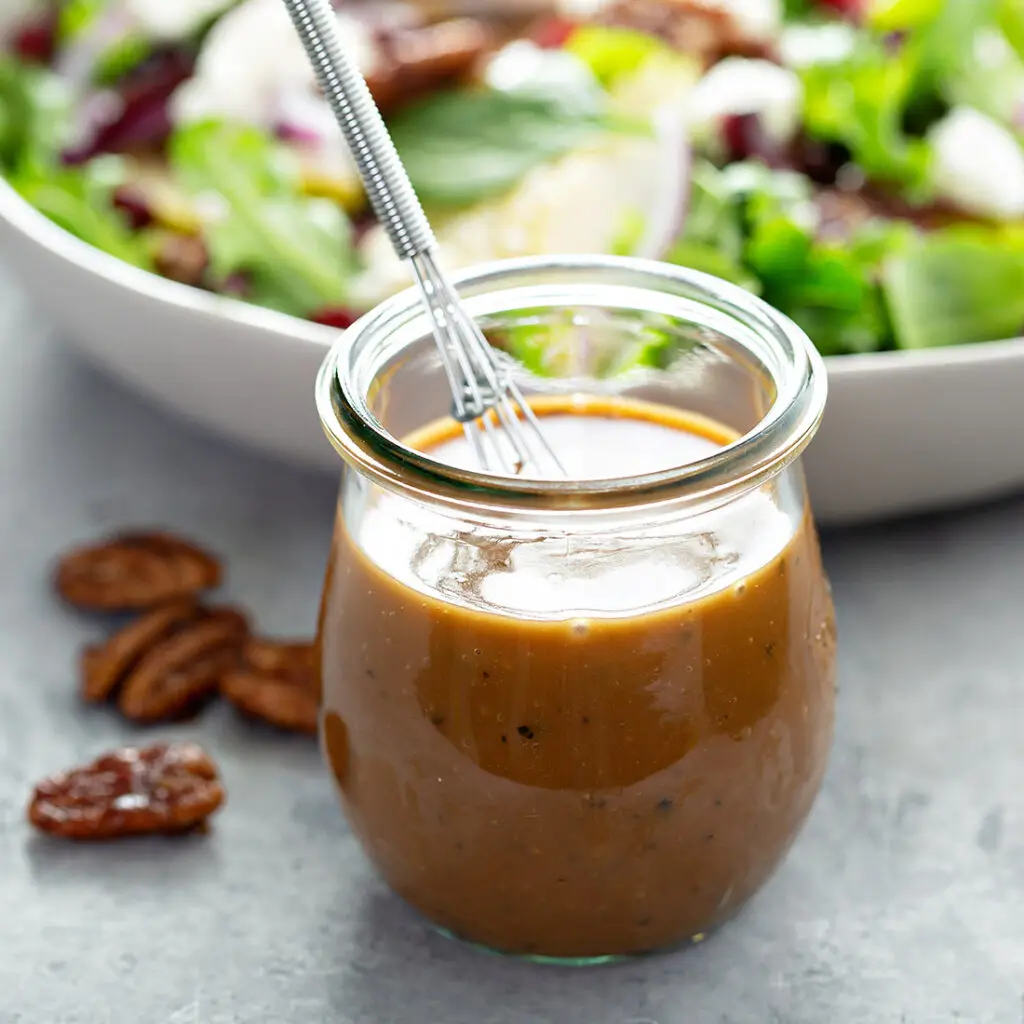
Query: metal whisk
[[500, 426]]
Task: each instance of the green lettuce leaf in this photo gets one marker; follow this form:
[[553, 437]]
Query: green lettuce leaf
[[1011, 24], [34, 108], [558, 345], [463, 146], [713, 239], [962, 52], [33, 116], [295, 250], [860, 102], [80, 200], [830, 289], [957, 286]]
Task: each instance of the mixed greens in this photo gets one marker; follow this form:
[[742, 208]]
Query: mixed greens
[[858, 163]]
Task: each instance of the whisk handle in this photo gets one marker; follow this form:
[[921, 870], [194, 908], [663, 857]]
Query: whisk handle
[[387, 185]]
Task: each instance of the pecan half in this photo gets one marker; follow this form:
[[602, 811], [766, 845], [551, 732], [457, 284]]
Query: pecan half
[[412, 62], [134, 571], [104, 666], [182, 258], [277, 682], [183, 668], [168, 787]]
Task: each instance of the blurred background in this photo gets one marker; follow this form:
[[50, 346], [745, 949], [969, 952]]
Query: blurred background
[[850, 160]]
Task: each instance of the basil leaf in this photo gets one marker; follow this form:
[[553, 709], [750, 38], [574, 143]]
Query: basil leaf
[[460, 147]]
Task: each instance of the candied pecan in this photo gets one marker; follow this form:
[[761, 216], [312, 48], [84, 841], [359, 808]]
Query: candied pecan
[[105, 665], [134, 571], [183, 668], [702, 29], [277, 682], [182, 258], [168, 787], [414, 61]]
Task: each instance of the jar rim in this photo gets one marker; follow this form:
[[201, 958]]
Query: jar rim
[[761, 453]]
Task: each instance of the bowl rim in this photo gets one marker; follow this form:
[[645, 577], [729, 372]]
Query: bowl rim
[[35, 227]]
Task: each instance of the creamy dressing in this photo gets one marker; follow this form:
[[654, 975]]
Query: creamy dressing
[[579, 785]]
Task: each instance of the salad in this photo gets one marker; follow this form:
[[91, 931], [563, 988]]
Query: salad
[[858, 163]]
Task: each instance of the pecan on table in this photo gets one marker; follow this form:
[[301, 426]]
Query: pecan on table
[[276, 682], [134, 571], [104, 666], [184, 666], [168, 787]]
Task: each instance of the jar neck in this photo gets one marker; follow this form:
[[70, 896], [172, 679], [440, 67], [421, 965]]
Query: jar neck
[[762, 341]]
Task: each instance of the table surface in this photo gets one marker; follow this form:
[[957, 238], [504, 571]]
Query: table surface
[[903, 899]]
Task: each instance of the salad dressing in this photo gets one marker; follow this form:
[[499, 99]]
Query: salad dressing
[[570, 747]]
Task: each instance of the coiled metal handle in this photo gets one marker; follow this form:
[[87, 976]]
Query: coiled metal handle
[[387, 185]]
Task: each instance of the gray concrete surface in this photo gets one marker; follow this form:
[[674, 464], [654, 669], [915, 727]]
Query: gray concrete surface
[[902, 902]]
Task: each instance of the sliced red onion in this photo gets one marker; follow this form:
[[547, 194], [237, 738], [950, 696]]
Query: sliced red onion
[[666, 215], [304, 117], [299, 134], [133, 115]]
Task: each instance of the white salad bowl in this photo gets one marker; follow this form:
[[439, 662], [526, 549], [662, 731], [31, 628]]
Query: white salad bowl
[[904, 431]]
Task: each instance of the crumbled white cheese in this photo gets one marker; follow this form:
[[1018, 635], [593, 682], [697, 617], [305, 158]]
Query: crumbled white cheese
[[738, 85], [252, 62], [803, 45], [978, 165], [756, 19], [167, 20], [524, 65]]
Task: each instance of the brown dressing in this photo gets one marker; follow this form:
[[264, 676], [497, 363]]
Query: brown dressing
[[610, 781]]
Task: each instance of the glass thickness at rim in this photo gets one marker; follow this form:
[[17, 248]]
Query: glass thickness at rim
[[774, 341]]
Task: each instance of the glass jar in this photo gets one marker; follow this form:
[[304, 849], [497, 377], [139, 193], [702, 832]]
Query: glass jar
[[579, 719]]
